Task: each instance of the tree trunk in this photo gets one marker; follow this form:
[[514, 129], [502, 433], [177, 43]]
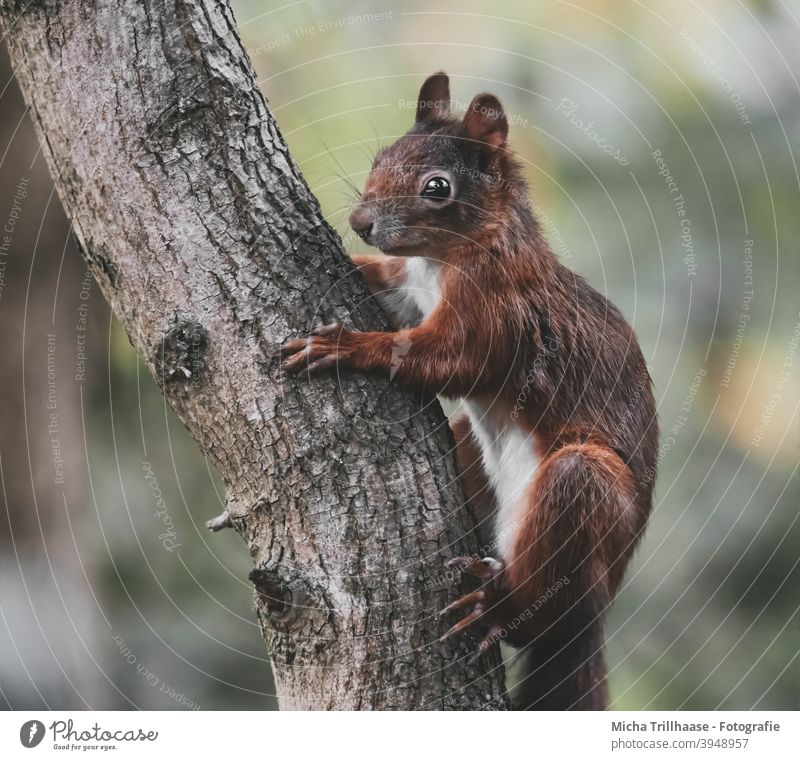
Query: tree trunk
[[211, 249]]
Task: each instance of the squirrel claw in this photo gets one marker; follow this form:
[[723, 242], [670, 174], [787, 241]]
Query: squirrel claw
[[464, 622], [325, 349], [463, 601]]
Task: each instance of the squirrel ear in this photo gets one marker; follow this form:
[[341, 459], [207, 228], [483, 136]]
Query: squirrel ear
[[434, 98], [485, 121]]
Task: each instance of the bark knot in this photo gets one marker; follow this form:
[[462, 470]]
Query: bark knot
[[288, 601], [181, 351], [273, 594]]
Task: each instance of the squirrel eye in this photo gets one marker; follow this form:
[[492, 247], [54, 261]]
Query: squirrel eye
[[436, 189]]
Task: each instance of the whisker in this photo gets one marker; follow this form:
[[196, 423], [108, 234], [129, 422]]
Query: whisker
[[366, 152], [377, 137], [344, 176]]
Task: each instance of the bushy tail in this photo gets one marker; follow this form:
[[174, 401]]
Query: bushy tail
[[573, 546], [561, 675]]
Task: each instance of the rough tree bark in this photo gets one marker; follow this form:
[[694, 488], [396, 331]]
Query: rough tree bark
[[211, 249]]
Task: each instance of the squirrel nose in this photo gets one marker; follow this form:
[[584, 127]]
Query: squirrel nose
[[361, 222]]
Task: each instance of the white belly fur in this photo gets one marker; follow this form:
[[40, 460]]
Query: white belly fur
[[422, 283], [508, 451], [510, 462]]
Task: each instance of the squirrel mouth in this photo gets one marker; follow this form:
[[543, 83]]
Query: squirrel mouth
[[397, 247], [396, 241]]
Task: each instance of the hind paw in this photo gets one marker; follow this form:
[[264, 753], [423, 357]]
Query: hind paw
[[482, 604]]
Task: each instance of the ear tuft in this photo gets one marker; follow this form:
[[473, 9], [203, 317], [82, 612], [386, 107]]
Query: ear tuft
[[485, 121], [433, 102]]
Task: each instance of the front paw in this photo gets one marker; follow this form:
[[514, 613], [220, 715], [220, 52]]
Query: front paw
[[329, 346]]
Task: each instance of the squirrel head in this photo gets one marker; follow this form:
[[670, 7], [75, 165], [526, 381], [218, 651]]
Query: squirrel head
[[448, 180]]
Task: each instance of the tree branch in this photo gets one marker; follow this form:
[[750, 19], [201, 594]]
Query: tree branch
[[211, 249]]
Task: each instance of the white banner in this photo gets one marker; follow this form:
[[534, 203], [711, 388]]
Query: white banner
[[386, 736]]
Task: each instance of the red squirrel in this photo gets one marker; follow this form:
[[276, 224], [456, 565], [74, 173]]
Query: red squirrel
[[559, 435]]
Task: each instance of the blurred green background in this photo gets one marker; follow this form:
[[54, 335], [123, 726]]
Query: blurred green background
[[110, 598]]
